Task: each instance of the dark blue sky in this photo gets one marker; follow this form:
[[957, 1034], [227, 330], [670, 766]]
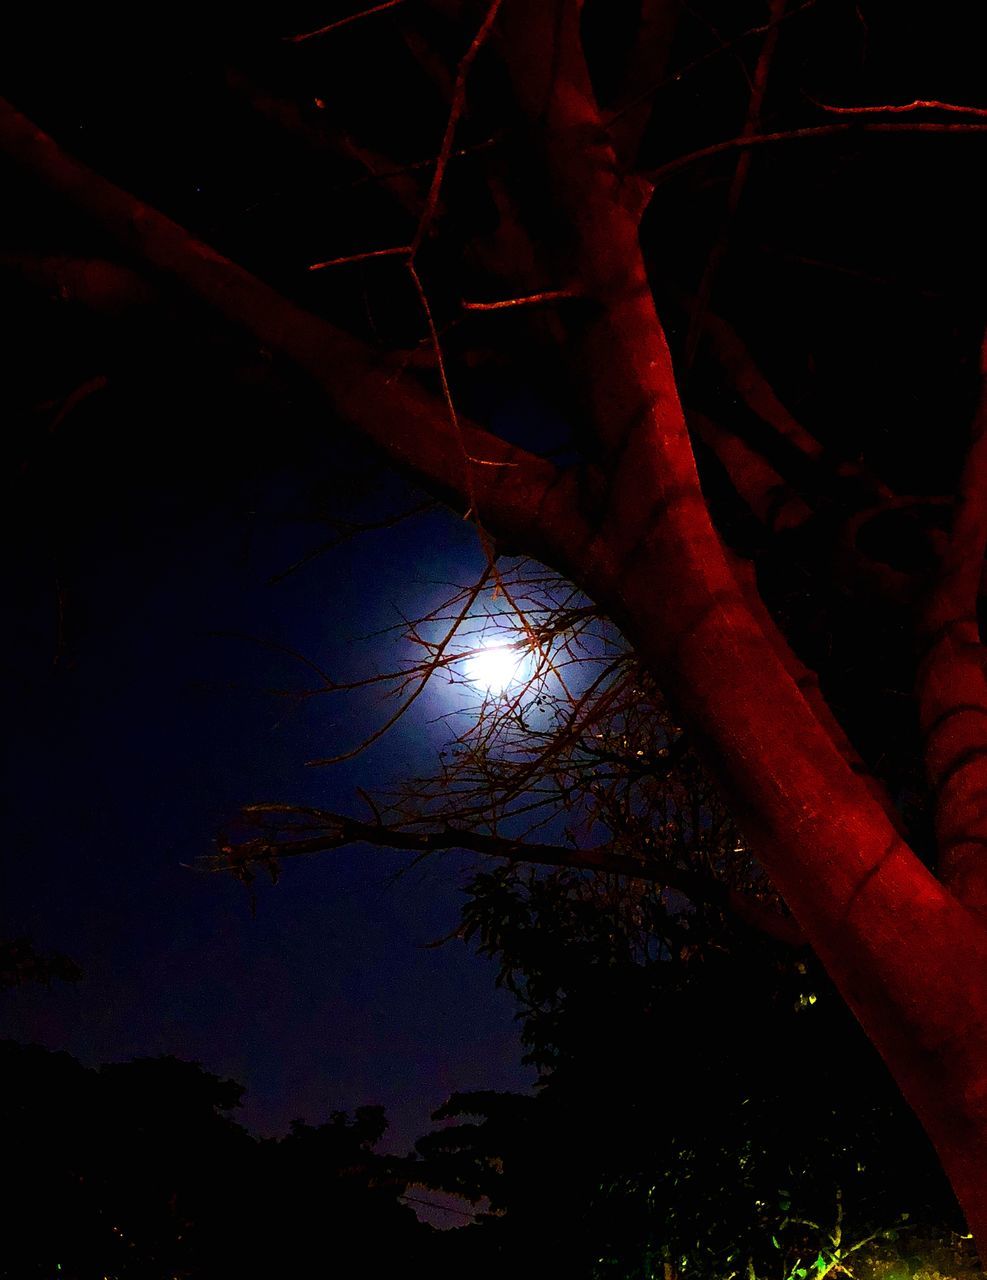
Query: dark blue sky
[[129, 754]]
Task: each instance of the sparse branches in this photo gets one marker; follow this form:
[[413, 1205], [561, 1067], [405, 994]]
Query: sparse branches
[[571, 738], [418, 679]]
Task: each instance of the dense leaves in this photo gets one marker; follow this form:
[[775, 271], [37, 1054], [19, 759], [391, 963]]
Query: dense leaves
[[139, 1170], [707, 1103]]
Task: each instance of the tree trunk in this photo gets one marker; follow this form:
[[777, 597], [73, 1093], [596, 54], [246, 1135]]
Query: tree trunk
[[909, 959]]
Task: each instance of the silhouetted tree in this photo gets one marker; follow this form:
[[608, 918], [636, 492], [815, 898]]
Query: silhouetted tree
[[139, 1170]]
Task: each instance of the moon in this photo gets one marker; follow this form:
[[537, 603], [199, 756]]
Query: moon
[[494, 667]]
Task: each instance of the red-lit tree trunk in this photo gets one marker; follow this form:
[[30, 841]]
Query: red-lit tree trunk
[[908, 951], [908, 955]]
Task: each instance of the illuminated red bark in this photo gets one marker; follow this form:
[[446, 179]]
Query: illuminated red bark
[[907, 950]]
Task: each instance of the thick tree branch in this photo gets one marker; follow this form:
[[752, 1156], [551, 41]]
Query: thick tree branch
[[342, 831], [657, 565], [516, 495], [823, 482], [750, 383], [770, 498]]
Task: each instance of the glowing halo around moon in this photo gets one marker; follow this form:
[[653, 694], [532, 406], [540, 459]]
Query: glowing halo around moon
[[495, 666]]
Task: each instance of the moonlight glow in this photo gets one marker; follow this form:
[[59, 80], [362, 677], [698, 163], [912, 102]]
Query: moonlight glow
[[495, 667]]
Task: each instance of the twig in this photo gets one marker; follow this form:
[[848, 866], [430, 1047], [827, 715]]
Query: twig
[[797, 135], [413, 166], [395, 251], [689, 67], [737, 184], [351, 531], [529, 300], [342, 830], [455, 111], [920, 104], [430, 669], [343, 22]]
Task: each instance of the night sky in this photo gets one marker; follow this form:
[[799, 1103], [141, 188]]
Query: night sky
[[132, 744], [154, 517]]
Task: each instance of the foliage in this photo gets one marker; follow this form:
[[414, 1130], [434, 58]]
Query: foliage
[[139, 1170], [708, 1103]]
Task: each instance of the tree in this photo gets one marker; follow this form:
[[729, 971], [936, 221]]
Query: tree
[[706, 1102], [139, 1169], [572, 198]]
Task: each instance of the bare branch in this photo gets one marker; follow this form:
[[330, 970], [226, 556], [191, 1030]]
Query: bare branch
[[348, 531], [430, 668], [415, 166], [759, 395], [737, 183], [681, 72], [530, 300], [395, 251], [920, 104], [764, 491], [341, 831], [400, 417], [863, 127], [343, 22], [455, 111]]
